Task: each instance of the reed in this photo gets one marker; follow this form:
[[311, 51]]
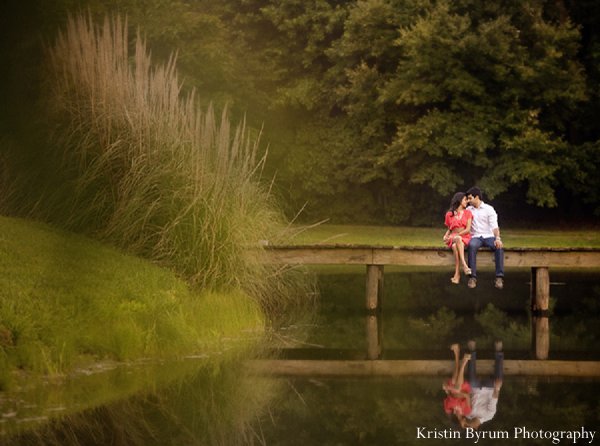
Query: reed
[[143, 167]]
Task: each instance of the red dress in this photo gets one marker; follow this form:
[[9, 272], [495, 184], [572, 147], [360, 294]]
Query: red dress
[[450, 402], [456, 224]]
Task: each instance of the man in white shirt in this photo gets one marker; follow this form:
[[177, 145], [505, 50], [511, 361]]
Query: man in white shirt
[[484, 232], [484, 395]]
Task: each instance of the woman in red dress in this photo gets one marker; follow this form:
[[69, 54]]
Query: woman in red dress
[[458, 221], [458, 391]]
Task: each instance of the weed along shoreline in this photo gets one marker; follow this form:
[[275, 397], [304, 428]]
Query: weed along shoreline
[[71, 306]]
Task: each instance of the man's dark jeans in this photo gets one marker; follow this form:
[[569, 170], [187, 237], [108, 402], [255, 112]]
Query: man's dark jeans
[[478, 242], [472, 371]]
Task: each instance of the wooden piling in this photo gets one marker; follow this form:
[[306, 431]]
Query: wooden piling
[[540, 288], [540, 324], [374, 286], [373, 328]]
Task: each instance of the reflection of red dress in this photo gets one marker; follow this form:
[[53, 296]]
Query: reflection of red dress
[[450, 402], [456, 224]]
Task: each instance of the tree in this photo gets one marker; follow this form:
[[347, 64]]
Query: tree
[[473, 93]]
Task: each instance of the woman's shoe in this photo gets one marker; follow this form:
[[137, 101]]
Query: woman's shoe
[[454, 280], [467, 270]]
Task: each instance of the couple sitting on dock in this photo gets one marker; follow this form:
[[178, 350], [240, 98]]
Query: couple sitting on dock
[[472, 224], [473, 402]]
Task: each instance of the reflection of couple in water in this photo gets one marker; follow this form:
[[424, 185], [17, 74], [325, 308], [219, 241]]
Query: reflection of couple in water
[[472, 402]]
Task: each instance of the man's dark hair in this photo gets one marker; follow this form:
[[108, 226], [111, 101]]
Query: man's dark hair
[[476, 192]]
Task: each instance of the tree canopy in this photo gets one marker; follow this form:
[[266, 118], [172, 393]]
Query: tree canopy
[[379, 110]]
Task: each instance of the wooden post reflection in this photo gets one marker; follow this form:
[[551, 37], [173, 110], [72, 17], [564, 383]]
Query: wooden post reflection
[[374, 286], [374, 338], [540, 325]]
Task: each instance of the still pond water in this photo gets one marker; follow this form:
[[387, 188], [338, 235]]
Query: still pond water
[[216, 401]]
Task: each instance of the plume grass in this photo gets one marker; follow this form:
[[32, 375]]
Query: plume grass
[[142, 166]]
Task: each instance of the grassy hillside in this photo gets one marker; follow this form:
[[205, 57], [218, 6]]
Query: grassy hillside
[[66, 300], [398, 235]]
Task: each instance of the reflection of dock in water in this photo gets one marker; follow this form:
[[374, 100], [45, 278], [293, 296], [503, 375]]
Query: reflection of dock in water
[[540, 260], [374, 360], [358, 368]]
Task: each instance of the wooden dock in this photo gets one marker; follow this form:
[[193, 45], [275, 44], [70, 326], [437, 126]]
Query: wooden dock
[[344, 254], [375, 258], [540, 260]]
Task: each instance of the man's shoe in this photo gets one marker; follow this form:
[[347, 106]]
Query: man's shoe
[[499, 283], [472, 283]]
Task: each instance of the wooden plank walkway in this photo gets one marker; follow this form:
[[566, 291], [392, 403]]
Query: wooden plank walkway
[[344, 254], [292, 367]]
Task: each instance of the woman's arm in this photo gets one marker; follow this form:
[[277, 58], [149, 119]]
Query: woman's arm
[[447, 224], [468, 400], [467, 229]]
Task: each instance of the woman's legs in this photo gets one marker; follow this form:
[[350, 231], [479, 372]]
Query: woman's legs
[[458, 376], [461, 373], [461, 253], [456, 350], [456, 277]]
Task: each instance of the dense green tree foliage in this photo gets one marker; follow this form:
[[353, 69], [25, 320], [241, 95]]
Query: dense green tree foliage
[[395, 102], [378, 110], [448, 94]]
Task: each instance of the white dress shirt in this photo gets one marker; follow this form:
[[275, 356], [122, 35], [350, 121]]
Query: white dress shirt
[[485, 220], [483, 404]]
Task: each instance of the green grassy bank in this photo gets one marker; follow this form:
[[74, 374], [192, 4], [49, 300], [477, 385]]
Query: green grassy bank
[[67, 301], [407, 236]]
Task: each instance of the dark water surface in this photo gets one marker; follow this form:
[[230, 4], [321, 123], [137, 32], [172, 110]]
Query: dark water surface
[[389, 411], [422, 313], [218, 401]]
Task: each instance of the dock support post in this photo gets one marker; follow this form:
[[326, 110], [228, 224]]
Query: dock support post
[[540, 324], [373, 328], [374, 286]]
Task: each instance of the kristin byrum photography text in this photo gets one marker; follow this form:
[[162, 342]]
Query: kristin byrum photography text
[[581, 435]]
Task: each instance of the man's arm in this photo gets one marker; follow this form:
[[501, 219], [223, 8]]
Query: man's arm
[[497, 387], [474, 423], [498, 241], [493, 219]]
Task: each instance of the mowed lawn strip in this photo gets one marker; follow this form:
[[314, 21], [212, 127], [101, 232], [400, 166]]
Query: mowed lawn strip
[[419, 236]]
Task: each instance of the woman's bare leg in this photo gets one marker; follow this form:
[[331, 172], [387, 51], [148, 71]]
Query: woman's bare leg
[[456, 277], [460, 379], [456, 350], [461, 252]]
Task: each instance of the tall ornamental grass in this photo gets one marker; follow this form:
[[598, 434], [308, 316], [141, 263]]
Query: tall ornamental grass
[[145, 168]]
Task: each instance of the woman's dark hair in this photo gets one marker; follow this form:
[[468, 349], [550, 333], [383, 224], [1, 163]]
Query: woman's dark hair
[[455, 202]]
